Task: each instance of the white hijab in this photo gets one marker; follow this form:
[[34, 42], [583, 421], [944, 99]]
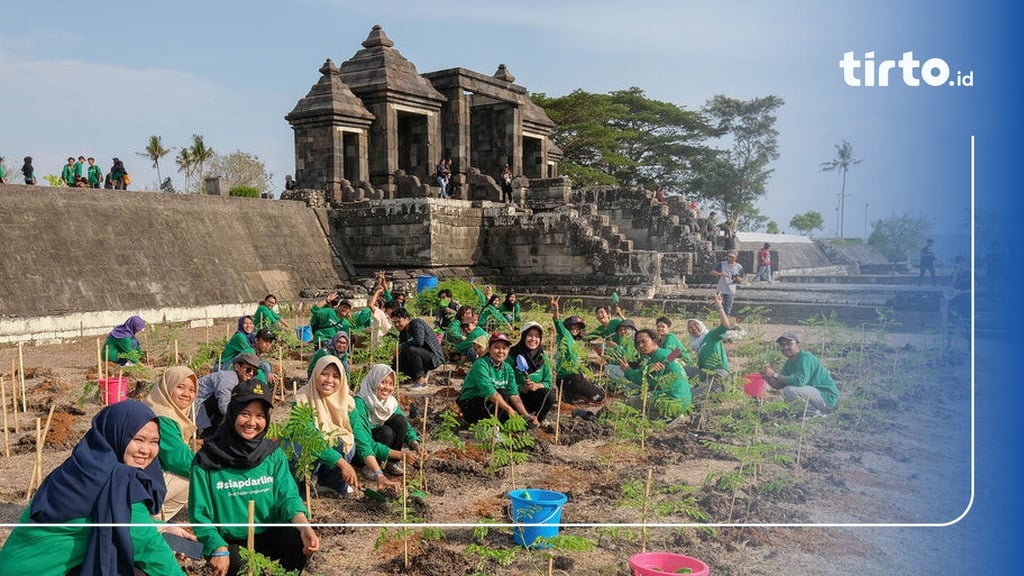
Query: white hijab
[[377, 411], [696, 342], [331, 411]]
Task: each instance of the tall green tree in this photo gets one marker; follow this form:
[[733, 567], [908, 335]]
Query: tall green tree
[[896, 237], [201, 154], [242, 170], [624, 138], [186, 165], [734, 179], [842, 162], [807, 222], [155, 151]]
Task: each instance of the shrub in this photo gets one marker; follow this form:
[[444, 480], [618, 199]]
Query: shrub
[[244, 191]]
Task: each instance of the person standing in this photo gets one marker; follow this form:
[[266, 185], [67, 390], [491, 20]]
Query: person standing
[[28, 171], [117, 174], [730, 275], [441, 175], [94, 174], [764, 264], [803, 378], [506, 184], [927, 261]]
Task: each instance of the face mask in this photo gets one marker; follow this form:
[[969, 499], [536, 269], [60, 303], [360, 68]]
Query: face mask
[[445, 303]]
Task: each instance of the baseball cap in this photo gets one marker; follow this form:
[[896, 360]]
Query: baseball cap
[[247, 358], [499, 337], [265, 334], [788, 336], [250, 390]]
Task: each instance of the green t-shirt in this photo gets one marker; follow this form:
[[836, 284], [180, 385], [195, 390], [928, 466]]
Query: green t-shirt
[[673, 343], [804, 369], [605, 332], [265, 317], [542, 376], [711, 355], [669, 382], [484, 379], [120, 350], [363, 432], [175, 455], [237, 344]]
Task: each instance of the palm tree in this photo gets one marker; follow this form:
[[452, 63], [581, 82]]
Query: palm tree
[[842, 162], [155, 151], [200, 153], [185, 164]]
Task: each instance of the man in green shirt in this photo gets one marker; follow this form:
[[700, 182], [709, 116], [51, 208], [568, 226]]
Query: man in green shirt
[[94, 174], [803, 378]]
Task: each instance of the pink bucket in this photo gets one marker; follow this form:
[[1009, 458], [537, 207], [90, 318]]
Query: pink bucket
[[753, 385], [113, 390], [661, 563]]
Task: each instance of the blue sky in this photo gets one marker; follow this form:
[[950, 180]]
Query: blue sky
[[99, 79]]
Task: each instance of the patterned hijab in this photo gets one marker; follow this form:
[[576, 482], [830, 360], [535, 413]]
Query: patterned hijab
[[96, 484], [376, 410], [159, 399], [331, 412]]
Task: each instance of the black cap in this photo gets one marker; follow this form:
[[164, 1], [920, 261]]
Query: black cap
[[250, 390], [571, 320], [266, 334]]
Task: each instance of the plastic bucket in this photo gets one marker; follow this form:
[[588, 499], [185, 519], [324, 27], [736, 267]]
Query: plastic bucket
[[304, 333], [425, 283], [753, 385], [542, 508], [113, 390], [662, 563]]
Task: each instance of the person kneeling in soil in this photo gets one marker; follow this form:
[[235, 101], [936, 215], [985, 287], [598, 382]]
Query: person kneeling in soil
[[338, 346], [712, 363], [238, 465], [803, 378], [419, 351], [381, 429], [491, 386], [533, 371], [170, 400], [570, 378], [667, 385], [122, 344], [112, 477]]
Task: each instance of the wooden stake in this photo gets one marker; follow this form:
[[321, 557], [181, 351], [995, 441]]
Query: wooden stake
[[803, 422], [280, 364], [99, 361], [14, 397], [35, 465], [3, 402], [405, 511], [21, 376], [42, 443], [643, 521], [251, 540], [423, 440], [176, 361], [558, 411]]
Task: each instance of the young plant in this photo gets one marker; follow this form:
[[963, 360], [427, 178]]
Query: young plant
[[303, 441], [508, 441]]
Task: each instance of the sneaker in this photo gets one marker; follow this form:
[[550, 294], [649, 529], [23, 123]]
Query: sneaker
[[394, 469]]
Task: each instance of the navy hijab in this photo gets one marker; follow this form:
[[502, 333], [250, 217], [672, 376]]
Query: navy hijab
[[94, 483], [249, 336]]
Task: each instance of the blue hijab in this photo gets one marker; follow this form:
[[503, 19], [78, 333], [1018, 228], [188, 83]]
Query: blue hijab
[[250, 336], [94, 483]]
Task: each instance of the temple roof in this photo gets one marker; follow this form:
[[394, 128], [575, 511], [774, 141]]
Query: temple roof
[[329, 96], [379, 67]]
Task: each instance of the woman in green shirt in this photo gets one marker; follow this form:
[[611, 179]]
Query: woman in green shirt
[[712, 362], [171, 400], [338, 346], [669, 341], [266, 315], [242, 340], [491, 386], [122, 344], [533, 371], [381, 429]]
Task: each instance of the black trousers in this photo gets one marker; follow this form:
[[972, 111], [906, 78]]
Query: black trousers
[[539, 402], [576, 387], [392, 433], [415, 362], [282, 544]]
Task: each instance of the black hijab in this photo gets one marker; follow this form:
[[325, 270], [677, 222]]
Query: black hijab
[[226, 448], [534, 358], [94, 483]]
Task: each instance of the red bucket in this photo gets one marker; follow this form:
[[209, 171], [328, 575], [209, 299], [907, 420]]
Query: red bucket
[[753, 385], [113, 390], [661, 563]]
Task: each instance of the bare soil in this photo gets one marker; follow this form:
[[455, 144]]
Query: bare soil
[[841, 499]]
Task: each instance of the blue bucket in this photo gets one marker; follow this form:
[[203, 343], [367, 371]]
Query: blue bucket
[[304, 333], [425, 283], [542, 509]]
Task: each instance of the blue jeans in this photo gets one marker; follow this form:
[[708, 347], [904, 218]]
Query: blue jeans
[[727, 302]]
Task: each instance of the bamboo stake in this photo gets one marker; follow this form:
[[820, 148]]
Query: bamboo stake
[[280, 364], [176, 352], [207, 327], [803, 423], [3, 402], [405, 512], [35, 465], [42, 443], [21, 376], [423, 440], [251, 540], [14, 397], [99, 360], [643, 521], [558, 412]]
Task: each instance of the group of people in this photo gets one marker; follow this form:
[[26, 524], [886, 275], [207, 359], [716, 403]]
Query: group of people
[[76, 174]]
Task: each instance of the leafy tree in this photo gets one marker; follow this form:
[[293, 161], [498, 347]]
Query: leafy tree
[[897, 236], [751, 221], [842, 162], [772, 227], [200, 154], [734, 179], [807, 222], [186, 165], [624, 138], [155, 151], [242, 170]]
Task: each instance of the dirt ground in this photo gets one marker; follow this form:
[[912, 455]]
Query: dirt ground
[[841, 497]]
